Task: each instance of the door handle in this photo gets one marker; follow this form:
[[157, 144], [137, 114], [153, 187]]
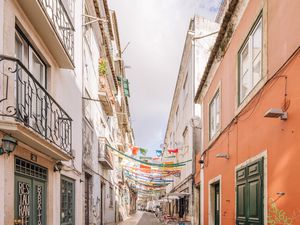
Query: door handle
[[17, 221]]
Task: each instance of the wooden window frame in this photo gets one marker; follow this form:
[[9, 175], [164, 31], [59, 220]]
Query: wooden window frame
[[248, 41]]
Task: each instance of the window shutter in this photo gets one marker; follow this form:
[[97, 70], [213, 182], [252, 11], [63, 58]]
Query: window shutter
[[126, 88]]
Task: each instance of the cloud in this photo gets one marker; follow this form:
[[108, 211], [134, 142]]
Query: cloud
[[156, 30]]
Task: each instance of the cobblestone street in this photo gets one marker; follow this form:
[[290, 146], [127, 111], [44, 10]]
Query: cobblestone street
[[141, 218]]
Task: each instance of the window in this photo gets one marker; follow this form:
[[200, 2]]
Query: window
[[250, 62], [67, 201], [214, 115], [185, 91], [177, 116], [185, 140], [111, 197], [29, 57]]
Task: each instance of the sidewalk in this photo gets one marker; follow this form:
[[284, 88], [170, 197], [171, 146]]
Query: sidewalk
[[141, 218]]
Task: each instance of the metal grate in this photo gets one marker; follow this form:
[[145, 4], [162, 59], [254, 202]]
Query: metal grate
[[67, 201], [31, 169]]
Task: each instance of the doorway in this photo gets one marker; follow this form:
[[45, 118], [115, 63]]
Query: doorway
[[215, 203], [30, 193], [87, 199], [102, 202]]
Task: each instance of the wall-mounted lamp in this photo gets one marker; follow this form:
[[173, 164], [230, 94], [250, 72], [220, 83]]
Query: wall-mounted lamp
[[222, 155], [276, 113], [58, 166], [8, 145]]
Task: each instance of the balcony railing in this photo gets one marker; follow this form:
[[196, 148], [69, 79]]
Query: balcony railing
[[23, 98], [105, 156], [61, 22]]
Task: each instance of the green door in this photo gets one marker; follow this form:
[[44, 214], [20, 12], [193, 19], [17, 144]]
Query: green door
[[249, 194], [217, 204], [30, 194]]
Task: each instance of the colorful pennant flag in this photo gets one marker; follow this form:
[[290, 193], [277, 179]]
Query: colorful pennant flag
[[135, 150], [173, 150], [143, 151], [158, 153]]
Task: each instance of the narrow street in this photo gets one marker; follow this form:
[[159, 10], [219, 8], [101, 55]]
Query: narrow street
[[141, 218], [113, 109]]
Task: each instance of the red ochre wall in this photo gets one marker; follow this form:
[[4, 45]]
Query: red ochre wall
[[252, 133]]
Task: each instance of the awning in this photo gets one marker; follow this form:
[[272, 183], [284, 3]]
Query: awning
[[178, 194]]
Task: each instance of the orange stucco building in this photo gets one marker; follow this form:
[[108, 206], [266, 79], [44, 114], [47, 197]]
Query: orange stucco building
[[249, 161]]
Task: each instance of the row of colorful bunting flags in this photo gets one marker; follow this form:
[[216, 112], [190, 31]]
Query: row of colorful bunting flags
[[135, 150]]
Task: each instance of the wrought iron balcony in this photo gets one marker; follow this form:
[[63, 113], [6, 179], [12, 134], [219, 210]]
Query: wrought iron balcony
[[53, 20], [24, 100], [105, 156]]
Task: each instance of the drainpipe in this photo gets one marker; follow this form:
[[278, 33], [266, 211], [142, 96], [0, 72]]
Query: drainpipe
[[193, 128]]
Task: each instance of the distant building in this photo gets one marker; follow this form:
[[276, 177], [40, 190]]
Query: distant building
[[249, 94], [183, 130], [63, 101]]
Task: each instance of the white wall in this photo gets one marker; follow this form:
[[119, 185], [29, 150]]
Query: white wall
[[193, 63], [2, 159]]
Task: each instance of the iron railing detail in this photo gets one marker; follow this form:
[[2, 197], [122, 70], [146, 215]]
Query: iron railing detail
[[61, 22], [26, 100]]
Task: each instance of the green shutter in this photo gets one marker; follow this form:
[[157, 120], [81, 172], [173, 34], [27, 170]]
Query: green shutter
[[249, 194], [126, 87]]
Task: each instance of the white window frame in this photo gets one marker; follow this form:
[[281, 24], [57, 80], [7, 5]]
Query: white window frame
[[216, 113], [248, 45]]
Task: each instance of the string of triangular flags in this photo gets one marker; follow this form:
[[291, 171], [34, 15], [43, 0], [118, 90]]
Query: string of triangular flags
[[135, 150]]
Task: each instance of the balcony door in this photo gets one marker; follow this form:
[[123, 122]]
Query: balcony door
[[31, 100], [30, 58]]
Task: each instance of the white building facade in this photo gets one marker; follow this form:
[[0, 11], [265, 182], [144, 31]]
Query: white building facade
[[183, 129], [40, 108], [63, 100]]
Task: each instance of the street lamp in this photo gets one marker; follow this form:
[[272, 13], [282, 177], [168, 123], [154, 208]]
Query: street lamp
[[8, 145]]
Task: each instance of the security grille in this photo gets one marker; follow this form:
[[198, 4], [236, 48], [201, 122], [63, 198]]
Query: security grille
[[33, 170]]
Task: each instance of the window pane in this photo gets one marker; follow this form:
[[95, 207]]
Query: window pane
[[18, 48], [245, 60], [246, 85], [257, 41], [214, 115], [217, 111], [257, 70], [38, 69]]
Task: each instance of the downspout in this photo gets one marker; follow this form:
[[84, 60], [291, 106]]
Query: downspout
[[2, 159], [193, 128]]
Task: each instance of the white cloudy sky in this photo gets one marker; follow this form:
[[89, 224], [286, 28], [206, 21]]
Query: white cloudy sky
[[156, 31]]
